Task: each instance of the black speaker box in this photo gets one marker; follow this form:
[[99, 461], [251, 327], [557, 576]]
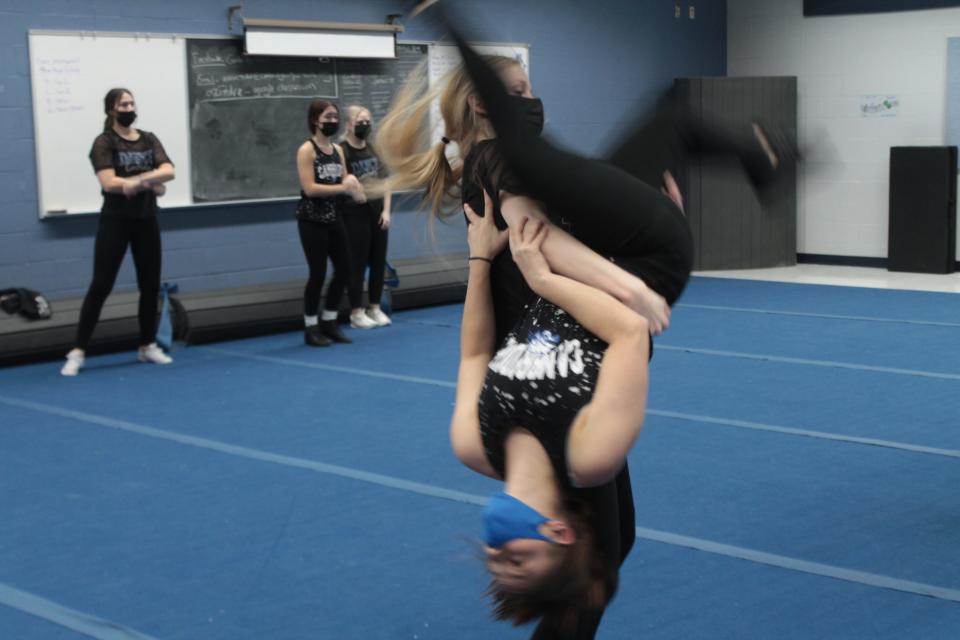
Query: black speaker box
[[923, 209]]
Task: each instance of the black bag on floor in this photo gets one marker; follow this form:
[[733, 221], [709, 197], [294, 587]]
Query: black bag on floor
[[28, 303]]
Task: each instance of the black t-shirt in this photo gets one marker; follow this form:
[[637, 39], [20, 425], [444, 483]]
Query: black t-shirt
[[364, 164], [128, 158], [328, 170], [483, 170]]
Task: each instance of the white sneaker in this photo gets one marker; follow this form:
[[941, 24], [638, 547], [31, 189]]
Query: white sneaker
[[378, 316], [73, 364], [153, 353], [360, 320]]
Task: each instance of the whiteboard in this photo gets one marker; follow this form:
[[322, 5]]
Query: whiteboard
[[71, 72]]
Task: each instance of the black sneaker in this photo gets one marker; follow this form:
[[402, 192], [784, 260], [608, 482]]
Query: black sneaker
[[331, 330], [314, 338]]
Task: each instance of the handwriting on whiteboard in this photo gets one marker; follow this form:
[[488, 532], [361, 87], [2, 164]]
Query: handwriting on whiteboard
[[57, 76]]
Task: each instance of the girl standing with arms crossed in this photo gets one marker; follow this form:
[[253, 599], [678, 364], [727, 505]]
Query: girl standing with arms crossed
[[131, 166]]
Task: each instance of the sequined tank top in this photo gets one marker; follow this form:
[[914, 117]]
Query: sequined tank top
[[541, 377]]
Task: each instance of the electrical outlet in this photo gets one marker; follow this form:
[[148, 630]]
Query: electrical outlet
[[692, 12], [676, 10]]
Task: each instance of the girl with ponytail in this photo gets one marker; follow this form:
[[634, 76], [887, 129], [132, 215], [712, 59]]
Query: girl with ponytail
[[132, 167]]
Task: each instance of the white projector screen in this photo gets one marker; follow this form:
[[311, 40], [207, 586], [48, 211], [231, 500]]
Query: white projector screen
[[271, 41]]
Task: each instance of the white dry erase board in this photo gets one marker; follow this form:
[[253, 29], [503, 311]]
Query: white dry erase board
[[231, 123], [71, 73]]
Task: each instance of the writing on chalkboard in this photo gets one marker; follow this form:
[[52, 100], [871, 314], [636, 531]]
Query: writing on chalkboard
[[214, 59], [248, 114], [220, 71]]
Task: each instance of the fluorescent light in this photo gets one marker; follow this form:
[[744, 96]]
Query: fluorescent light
[[319, 39]]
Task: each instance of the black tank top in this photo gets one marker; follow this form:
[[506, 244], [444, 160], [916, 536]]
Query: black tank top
[[540, 378], [327, 169], [362, 163]]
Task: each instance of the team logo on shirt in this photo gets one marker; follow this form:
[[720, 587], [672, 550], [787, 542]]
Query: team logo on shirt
[[135, 161], [329, 171], [542, 341], [543, 356], [364, 167]]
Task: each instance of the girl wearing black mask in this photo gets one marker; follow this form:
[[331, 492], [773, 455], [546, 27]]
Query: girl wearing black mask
[[367, 223], [132, 168], [324, 185]]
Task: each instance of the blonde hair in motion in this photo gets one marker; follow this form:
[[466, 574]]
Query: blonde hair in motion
[[403, 138]]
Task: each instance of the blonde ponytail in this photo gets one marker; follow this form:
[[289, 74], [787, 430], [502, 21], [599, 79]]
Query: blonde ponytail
[[403, 137]]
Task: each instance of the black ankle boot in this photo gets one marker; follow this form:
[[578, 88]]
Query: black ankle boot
[[331, 329], [313, 338]]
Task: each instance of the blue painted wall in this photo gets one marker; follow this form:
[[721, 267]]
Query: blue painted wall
[[592, 63]]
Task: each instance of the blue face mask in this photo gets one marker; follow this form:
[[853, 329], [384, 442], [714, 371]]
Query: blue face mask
[[505, 518]]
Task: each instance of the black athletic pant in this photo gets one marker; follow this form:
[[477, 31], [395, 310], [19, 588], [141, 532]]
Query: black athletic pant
[[322, 241], [665, 140], [114, 233], [368, 248]]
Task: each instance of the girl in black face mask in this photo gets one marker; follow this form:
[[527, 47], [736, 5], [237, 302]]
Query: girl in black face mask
[[132, 168], [367, 223], [325, 184]]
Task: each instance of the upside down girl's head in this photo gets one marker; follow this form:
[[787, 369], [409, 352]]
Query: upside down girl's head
[[541, 566]]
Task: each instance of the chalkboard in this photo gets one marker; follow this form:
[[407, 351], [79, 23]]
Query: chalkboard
[[248, 114]]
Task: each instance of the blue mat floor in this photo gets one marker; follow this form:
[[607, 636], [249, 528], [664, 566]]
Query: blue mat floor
[[796, 478]]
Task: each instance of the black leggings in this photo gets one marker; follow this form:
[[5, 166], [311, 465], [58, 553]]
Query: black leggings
[[321, 241], [368, 248], [114, 233]]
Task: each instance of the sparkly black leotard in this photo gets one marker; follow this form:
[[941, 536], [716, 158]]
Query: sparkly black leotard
[[541, 377]]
